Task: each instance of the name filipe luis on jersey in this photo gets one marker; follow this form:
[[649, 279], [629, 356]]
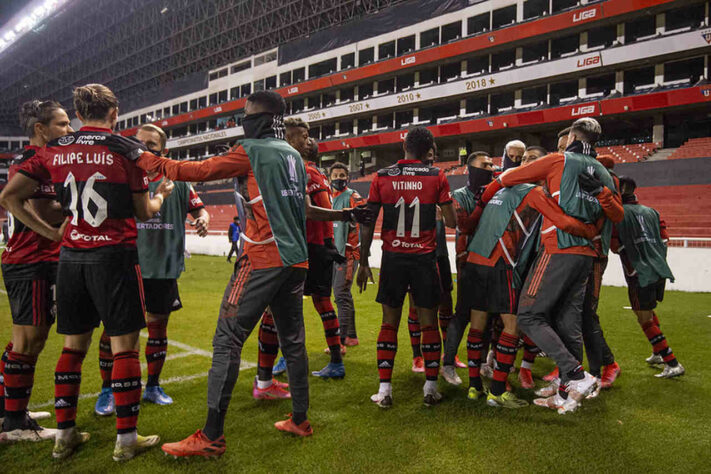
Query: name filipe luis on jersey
[[80, 157]]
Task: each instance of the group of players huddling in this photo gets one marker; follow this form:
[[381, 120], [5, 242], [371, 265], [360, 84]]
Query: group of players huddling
[[531, 245]]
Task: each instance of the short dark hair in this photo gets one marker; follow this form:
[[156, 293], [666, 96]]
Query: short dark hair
[[418, 142], [36, 111], [564, 132], [476, 154], [235, 217], [270, 101], [94, 101], [627, 183], [538, 149], [338, 166], [296, 122], [588, 129]]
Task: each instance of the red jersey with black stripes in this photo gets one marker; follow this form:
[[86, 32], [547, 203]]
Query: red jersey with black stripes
[[94, 186], [25, 245], [409, 192], [320, 193]]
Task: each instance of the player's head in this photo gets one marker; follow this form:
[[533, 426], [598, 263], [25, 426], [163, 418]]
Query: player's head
[[532, 154], [627, 186], [418, 143], [43, 121], [563, 139], [264, 115], [311, 150], [235, 219], [480, 168], [153, 137], [432, 155], [297, 134], [95, 103], [607, 161], [515, 150], [586, 130], [338, 176]]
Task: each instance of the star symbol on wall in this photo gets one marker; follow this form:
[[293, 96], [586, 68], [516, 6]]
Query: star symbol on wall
[[367, 106], [491, 81], [418, 95]]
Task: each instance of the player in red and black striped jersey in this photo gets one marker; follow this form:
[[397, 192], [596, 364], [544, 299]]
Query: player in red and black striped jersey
[[409, 193], [29, 268], [101, 192]]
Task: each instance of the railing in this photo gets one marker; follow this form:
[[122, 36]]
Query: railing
[[690, 242]]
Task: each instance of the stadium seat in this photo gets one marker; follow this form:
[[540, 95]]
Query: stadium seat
[[693, 148]]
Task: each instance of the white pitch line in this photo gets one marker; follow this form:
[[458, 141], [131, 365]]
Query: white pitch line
[[185, 347], [3, 292], [179, 355], [172, 380]]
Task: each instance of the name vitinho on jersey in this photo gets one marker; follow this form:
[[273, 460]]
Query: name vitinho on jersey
[[81, 158], [407, 185]]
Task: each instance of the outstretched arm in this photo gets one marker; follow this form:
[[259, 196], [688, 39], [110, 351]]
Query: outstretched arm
[[233, 163]]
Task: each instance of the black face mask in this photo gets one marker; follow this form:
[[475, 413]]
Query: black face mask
[[339, 184], [263, 125], [478, 177], [509, 163], [629, 198]]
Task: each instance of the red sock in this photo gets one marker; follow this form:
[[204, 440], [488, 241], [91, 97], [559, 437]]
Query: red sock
[[126, 385], [506, 350], [156, 350], [655, 319], [268, 347], [387, 348], [19, 377], [431, 351], [658, 341], [330, 325], [413, 327], [106, 360], [530, 352], [67, 383], [475, 345], [3, 359]]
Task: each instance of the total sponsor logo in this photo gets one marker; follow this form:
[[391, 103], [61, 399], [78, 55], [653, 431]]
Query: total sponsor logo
[[406, 245], [408, 60], [589, 61], [586, 15], [76, 235], [583, 110]]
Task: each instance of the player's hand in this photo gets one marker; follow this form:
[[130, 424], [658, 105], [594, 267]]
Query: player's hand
[[591, 231], [360, 214], [364, 274], [59, 231], [590, 184], [128, 147], [201, 226], [165, 188], [332, 252]]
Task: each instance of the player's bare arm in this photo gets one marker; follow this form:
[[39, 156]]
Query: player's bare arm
[[359, 214], [202, 221], [16, 199], [145, 207], [448, 215]]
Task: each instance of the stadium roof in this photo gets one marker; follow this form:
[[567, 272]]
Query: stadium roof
[[138, 46]]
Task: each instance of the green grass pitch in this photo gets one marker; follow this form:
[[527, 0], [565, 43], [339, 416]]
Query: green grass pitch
[[643, 424]]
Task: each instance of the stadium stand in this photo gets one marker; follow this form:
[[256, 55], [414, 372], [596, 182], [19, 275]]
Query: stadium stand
[[629, 153], [693, 148]]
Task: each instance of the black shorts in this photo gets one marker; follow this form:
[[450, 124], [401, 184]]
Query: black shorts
[[319, 277], [108, 293], [488, 289], [31, 291], [645, 298], [445, 273], [162, 295], [403, 272]]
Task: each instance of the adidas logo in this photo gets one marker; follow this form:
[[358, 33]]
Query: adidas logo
[[176, 303], [99, 176], [384, 365], [62, 403], [432, 364]]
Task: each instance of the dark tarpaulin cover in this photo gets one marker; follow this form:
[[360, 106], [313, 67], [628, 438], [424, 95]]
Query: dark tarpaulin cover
[[391, 19], [194, 82]]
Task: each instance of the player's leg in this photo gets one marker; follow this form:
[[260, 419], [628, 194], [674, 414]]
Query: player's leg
[[3, 359], [530, 352], [643, 305], [246, 295], [455, 332], [105, 404], [506, 348], [287, 305], [233, 250], [446, 306], [475, 345], [265, 386], [386, 351], [413, 329], [342, 282]]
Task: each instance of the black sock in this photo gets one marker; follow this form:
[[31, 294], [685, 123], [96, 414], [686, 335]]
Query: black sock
[[152, 381], [673, 363], [298, 417], [215, 424], [563, 391]]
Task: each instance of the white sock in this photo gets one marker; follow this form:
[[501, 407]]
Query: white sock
[[386, 388], [430, 386], [127, 438], [262, 384], [526, 364]]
